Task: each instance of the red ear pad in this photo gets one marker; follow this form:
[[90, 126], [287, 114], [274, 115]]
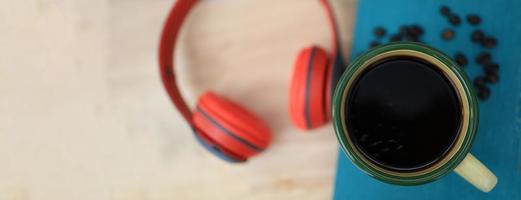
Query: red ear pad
[[308, 90], [230, 126]]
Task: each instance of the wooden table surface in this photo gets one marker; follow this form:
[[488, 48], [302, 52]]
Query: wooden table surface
[[84, 114]]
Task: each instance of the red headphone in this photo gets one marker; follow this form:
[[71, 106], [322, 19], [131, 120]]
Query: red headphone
[[227, 129]]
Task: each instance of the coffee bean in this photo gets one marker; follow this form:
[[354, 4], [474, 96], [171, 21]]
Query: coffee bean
[[461, 59], [416, 30], [411, 38], [395, 38], [492, 77], [414, 39], [454, 19], [404, 30], [491, 67], [479, 81], [473, 19], [483, 58], [374, 44], [444, 10], [477, 36], [379, 32], [489, 42], [483, 92], [448, 34]]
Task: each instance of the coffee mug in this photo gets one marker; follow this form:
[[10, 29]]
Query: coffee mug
[[407, 114]]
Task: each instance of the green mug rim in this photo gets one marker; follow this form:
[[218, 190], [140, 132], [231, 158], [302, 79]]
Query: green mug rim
[[381, 175]]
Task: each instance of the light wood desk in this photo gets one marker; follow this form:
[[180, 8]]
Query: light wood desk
[[84, 115]]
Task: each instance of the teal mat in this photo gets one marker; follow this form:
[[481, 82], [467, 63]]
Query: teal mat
[[498, 140]]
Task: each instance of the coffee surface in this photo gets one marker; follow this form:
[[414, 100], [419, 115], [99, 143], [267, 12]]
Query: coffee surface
[[403, 114]]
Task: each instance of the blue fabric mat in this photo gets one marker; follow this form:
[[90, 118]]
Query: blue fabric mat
[[497, 143]]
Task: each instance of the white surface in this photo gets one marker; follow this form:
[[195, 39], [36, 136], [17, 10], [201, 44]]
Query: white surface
[[84, 115]]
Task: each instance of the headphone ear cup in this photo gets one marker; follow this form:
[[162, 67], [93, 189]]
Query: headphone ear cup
[[229, 127], [308, 89], [216, 149]]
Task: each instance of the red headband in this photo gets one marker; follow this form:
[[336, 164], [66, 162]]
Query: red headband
[[168, 42]]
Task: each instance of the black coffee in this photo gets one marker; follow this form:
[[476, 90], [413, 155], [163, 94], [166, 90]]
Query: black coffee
[[403, 113]]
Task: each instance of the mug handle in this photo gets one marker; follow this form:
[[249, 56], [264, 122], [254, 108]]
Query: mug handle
[[472, 170]]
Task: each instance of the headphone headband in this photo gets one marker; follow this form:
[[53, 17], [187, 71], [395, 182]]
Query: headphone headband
[[168, 41]]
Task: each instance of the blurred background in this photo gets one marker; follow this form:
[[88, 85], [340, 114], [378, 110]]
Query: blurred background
[[83, 114]]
